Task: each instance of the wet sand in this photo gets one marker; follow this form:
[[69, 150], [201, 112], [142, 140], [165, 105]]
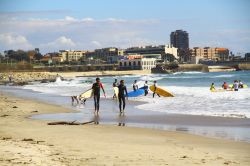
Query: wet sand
[[26, 141]]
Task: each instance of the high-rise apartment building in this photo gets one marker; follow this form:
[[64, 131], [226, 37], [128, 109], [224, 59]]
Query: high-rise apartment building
[[179, 39]]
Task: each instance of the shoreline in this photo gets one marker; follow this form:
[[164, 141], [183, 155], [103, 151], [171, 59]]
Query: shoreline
[[68, 145]]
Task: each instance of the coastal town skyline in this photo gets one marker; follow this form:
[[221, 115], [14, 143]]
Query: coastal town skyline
[[89, 25]]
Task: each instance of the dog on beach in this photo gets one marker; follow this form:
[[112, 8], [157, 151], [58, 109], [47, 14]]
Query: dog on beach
[[78, 99]]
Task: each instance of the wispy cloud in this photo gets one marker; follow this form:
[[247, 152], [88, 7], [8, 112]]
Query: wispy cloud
[[14, 41]]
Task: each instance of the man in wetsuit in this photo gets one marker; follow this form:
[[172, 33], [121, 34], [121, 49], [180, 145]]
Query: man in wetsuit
[[121, 95], [146, 88], [96, 87], [155, 87]]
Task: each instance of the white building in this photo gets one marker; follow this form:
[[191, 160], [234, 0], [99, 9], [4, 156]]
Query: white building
[[169, 49], [137, 64]]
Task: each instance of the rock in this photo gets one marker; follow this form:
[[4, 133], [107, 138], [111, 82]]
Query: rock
[[27, 139], [14, 107]]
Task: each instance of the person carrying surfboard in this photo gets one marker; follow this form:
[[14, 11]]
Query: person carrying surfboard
[[155, 87], [135, 86], [115, 84], [96, 87], [122, 89]]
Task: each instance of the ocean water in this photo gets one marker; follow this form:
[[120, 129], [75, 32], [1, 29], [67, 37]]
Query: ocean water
[[191, 91], [192, 97]]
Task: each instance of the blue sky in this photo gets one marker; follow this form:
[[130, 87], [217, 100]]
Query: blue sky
[[88, 24]]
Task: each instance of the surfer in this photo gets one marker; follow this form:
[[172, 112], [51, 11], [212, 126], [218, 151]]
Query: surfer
[[155, 87], [135, 86], [236, 85], [115, 84], [96, 87], [240, 84], [122, 89], [212, 87], [225, 86], [146, 88]]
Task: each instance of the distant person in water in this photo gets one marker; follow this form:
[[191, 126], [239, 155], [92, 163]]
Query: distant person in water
[[115, 84], [236, 85], [240, 84], [135, 86], [145, 88], [212, 87], [122, 93], [225, 86], [155, 88], [96, 87]]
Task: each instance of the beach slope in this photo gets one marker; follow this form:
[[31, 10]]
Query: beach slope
[[25, 141]]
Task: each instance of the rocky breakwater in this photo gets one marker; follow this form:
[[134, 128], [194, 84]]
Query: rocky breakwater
[[174, 67], [23, 78]]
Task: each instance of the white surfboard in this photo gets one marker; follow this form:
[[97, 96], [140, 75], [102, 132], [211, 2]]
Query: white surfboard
[[86, 94]]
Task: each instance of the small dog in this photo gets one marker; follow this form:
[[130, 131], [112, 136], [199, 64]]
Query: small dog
[[77, 99]]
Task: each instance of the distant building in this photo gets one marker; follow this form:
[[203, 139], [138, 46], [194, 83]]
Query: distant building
[[179, 39], [247, 56], [137, 64], [171, 54], [209, 53], [120, 52], [71, 55], [109, 55], [146, 50], [161, 52]]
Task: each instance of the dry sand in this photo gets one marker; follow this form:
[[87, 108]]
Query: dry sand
[[24, 141]]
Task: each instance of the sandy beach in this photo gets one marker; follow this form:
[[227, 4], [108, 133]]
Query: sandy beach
[[26, 141]]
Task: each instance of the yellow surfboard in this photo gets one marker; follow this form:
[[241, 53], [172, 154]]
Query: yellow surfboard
[[161, 91], [86, 94], [221, 90], [244, 86]]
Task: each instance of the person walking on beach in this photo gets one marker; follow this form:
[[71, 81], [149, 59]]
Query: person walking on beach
[[96, 87], [115, 84], [121, 96], [155, 87], [146, 88], [135, 86], [10, 78]]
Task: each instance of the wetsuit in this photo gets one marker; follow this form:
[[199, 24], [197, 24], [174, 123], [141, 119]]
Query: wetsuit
[[145, 89], [96, 92], [121, 96], [155, 87]]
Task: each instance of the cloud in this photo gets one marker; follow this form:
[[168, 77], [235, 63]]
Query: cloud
[[14, 41], [60, 43], [90, 33], [68, 18], [96, 43]]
